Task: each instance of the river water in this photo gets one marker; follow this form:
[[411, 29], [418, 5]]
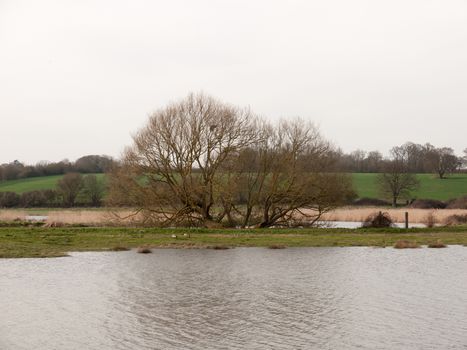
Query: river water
[[243, 298]]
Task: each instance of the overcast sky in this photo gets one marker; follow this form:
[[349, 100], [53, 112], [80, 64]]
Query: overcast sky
[[79, 77]]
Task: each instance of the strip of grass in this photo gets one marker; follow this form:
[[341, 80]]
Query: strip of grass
[[21, 242]]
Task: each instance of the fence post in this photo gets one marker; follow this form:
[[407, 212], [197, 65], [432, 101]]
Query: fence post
[[406, 219]]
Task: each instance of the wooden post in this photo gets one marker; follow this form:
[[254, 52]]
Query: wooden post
[[406, 219]]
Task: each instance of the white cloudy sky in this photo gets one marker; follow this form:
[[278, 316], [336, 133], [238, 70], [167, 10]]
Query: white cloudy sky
[[78, 77]]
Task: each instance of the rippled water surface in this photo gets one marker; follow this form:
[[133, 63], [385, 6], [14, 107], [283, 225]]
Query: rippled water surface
[[250, 298]]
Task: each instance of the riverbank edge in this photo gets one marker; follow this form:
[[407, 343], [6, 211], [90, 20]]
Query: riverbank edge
[[42, 242]]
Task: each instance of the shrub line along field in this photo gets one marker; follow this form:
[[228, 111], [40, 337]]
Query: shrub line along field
[[365, 185], [20, 241]]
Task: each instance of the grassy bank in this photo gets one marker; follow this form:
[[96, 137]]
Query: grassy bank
[[19, 242]]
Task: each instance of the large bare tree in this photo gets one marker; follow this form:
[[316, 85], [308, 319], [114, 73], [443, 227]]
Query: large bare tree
[[200, 161], [175, 159]]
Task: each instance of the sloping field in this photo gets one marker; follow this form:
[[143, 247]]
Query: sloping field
[[33, 184], [365, 185], [431, 187]]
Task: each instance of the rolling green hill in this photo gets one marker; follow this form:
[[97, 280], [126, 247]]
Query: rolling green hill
[[365, 184], [33, 184], [431, 187]]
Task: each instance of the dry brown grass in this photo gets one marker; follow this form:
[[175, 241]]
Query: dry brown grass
[[437, 244], [54, 224], [93, 217], [418, 216], [403, 244], [218, 247], [123, 217], [277, 246], [378, 219], [430, 220], [72, 217], [119, 248], [455, 219], [12, 215], [143, 250]]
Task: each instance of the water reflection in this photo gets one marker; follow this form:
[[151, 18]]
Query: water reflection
[[311, 298]]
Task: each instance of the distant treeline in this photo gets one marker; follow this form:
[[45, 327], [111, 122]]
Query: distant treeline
[[419, 158], [87, 164]]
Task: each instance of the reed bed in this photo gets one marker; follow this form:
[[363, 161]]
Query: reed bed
[[144, 250], [404, 244], [437, 244], [418, 216], [93, 217], [124, 217], [12, 215], [277, 246]]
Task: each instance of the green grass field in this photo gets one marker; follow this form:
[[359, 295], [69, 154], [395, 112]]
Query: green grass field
[[431, 187], [33, 184], [22, 242], [365, 184]]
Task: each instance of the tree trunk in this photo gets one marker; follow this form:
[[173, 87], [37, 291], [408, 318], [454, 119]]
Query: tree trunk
[[264, 224], [266, 221], [247, 216]]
